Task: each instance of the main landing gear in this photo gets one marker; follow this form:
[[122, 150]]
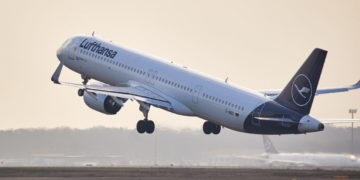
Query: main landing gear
[[209, 127], [145, 125], [85, 81]]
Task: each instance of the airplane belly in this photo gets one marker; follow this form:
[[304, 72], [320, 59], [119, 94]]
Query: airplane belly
[[222, 115]]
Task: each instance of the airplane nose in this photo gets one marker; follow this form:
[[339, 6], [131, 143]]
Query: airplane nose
[[321, 127]]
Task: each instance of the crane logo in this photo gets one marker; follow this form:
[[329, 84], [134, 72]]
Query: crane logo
[[301, 91]]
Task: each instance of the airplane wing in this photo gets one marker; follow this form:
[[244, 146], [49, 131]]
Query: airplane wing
[[336, 121], [133, 91], [276, 92]]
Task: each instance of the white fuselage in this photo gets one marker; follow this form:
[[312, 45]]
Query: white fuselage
[[340, 160], [207, 98]]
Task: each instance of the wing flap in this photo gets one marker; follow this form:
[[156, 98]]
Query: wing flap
[[135, 92]]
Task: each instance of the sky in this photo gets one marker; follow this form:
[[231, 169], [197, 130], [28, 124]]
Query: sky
[[257, 44]]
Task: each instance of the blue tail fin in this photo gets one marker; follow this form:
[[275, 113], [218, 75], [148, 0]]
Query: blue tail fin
[[268, 145], [299, 93]]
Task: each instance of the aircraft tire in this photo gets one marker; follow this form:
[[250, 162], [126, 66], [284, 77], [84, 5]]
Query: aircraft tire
[[141, 126], [150, 126], [207, 127], [216, 129], [81, 92]]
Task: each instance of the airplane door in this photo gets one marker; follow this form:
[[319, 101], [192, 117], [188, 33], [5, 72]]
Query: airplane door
[[76, 61], [72, 52], [196, 94]]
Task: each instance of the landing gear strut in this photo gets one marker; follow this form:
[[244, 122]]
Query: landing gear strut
[[85, 81], [145, 125], [209, 127]]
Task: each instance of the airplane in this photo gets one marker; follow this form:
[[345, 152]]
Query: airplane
[[273, 157], [125, 74]]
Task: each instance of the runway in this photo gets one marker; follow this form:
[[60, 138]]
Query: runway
[[170, 173]]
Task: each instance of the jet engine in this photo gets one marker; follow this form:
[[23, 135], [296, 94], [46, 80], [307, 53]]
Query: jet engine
[[103, 103]]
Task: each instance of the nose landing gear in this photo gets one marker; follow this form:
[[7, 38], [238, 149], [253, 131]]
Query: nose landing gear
[[81, 92], [85, 81]]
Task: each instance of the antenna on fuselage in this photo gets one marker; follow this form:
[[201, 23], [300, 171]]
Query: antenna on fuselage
[[226, 80], [92, 34]]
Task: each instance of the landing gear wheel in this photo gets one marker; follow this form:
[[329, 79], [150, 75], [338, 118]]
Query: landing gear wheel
[[150, 126], [81, 92], [147, 126], [207, 127], [216, 129], [141, 126]]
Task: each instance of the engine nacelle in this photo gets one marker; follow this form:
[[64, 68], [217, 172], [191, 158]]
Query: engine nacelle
[[102, 103]]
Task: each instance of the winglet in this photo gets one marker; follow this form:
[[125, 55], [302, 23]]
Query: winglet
[[356, 85]]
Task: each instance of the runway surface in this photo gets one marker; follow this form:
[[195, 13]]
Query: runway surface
[[139, 173]]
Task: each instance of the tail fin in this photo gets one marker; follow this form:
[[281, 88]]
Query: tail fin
[[299, 93], [268, 145]]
